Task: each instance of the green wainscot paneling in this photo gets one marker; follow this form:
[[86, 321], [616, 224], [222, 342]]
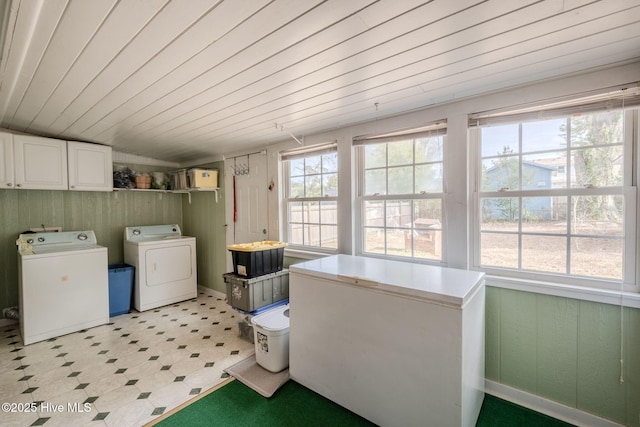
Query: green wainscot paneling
[[204, 218], [557, 342], [565, 350], [598, 381], [106, 213], [288, 260]]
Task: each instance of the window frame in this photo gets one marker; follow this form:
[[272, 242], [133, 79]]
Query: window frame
[[627, 190], [304, 152], [438, 128]]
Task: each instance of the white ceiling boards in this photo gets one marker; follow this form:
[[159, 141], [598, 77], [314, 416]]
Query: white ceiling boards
[[180, 80]]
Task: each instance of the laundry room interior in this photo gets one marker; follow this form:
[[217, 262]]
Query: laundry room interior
[[440, 196]]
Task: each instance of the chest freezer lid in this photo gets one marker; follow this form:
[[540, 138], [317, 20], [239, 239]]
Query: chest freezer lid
[[437, 284]]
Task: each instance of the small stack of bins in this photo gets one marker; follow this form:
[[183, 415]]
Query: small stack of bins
[[257, 258], [258, 281]]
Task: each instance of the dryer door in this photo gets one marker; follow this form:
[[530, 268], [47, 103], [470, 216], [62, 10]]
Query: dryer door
[[168, 264]]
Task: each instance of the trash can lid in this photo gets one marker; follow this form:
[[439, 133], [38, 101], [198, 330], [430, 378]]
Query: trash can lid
[[273, 320]]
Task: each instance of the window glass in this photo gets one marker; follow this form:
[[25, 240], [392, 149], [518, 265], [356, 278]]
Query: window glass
[[402, 193], [428, 178], [400, 153], [501, 173], [544, 135], [375, 182], [428, 150], [597, 167], [311, 215], [498, 140], [551, 196], [499, 250], [401, 180], [375, 156]]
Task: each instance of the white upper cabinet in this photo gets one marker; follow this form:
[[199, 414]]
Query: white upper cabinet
[[6, 161], [40, 163], [90, 167]]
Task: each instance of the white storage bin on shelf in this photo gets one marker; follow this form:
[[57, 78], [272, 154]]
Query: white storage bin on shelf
[[271, 337]]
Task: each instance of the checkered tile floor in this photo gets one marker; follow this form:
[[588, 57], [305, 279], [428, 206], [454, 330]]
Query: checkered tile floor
[[125, 373]]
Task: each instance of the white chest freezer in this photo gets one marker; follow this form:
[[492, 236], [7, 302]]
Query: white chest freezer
[[395, 342]]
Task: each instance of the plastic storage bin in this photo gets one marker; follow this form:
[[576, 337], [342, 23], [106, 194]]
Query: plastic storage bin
[[179, 180], [271, 337], [251, 294], [203, 178], [257, 258], [121, 277]]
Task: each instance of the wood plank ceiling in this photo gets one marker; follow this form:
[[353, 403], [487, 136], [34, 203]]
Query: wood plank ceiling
[[181, 80]]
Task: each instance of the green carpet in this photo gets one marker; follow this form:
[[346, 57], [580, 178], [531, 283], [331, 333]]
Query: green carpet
[[237, 405], [496, 412], [294, 405]]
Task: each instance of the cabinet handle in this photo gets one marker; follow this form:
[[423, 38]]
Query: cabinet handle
[[73, 186], [18, 185], [9, 184]]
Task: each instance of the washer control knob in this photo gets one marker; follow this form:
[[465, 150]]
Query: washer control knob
[[40, 239], [82, 236]]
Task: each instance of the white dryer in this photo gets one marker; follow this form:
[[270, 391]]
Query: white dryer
[[63, 284], [165, 263]]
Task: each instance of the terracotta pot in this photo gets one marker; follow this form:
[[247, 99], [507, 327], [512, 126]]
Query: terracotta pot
[[143, 181]]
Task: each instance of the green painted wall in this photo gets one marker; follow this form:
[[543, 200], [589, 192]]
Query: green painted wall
[[204, 218], [107, 213], [565, 350]]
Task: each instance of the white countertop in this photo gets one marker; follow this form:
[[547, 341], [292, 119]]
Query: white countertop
[[438, 284]]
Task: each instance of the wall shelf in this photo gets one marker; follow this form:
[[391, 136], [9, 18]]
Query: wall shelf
[[185, 191]]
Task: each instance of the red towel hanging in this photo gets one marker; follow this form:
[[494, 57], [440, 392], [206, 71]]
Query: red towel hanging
[[235, 207]]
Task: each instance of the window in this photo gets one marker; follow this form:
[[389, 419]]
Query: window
[[311, 197], [554, 194], [400, 189]]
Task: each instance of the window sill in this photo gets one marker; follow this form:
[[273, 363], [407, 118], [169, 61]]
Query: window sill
[[305, 254], [628, 299]]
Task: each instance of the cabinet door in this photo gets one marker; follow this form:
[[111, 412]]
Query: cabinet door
[[41, 163], [6, 161], [90, 167]]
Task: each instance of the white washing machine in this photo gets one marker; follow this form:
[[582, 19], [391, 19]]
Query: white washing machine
[[165, 263], [63, 284]]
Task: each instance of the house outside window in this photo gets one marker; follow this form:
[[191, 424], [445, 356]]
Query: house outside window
[[310, 211], [400, 194], [555, 196]]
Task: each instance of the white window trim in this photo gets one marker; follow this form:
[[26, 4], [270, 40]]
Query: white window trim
[[606, 296], [574, 286], [358, 177], [305, 251]]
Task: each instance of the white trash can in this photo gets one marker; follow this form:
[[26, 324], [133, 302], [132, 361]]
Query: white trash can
[[271, 337]]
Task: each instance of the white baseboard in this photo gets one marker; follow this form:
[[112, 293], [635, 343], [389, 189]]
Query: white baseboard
[[546, 406], [212, 292]]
